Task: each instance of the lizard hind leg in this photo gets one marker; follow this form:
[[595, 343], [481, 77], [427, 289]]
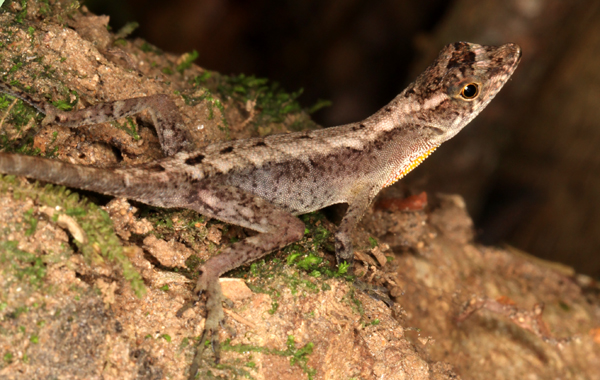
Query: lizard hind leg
[[277, 228], [165, 116]]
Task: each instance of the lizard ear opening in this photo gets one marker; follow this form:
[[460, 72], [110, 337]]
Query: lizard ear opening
[[470, 91]]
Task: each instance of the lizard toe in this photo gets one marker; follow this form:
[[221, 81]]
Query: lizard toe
[[214, 318]]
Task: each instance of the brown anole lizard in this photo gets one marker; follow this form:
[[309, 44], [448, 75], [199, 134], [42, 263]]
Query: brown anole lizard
[[263, 183]]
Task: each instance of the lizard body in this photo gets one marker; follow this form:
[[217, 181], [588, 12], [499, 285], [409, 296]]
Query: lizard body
[[263, 183]]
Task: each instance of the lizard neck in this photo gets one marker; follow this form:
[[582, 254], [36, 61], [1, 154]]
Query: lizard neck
[[402, 138], [402, 166]]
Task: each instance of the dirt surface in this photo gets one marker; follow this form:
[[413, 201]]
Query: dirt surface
[[460, 310]]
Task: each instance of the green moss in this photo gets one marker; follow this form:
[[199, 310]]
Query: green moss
[[309, 262], [192, 263], [184, 343], [306, 253], [271, 100], [299, 266], [321, 103], [103, 244], [8, 357], [234, 370], [297, 356], [373, 242], [320, 235], [20, 116], [20, 16], [44, 7], [30, 32], [126, 30], [25, 266], [34, 338], [183, 225], [148, 48], [67, 104], [187, 61], [32, 221], [211, 102], [201, 80], [129, 127], [354, 302], [274, 307], [271, 103], [52, 152]]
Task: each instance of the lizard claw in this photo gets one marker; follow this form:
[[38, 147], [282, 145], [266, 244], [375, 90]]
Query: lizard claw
[[379, 293], [214, 318], [214, 341], [49, 118], [188, 305]]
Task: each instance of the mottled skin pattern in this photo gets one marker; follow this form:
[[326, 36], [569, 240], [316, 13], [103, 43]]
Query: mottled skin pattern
[[262, 183]]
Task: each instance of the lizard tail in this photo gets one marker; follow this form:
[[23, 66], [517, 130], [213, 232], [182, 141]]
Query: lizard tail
[[128, 183], [15, 92]]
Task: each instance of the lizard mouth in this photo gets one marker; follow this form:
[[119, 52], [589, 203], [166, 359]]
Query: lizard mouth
[[507, 57], [511, 52]]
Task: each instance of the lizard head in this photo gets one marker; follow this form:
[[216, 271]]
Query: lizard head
[[458, 85]]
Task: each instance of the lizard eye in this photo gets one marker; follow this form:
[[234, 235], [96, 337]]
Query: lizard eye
[[470, 91]]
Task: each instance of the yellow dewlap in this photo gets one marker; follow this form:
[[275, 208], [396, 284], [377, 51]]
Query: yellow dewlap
[[405, 170]]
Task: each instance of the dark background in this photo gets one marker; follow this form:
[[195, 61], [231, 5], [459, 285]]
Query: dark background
[[528, 167]]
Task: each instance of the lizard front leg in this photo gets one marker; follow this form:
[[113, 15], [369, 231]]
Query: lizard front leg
[[277, 229], [343, 243], [343, 236]]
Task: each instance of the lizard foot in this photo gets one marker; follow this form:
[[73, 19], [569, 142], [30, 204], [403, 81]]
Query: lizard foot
[[379, 293], [49, 118], [214, 297]]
